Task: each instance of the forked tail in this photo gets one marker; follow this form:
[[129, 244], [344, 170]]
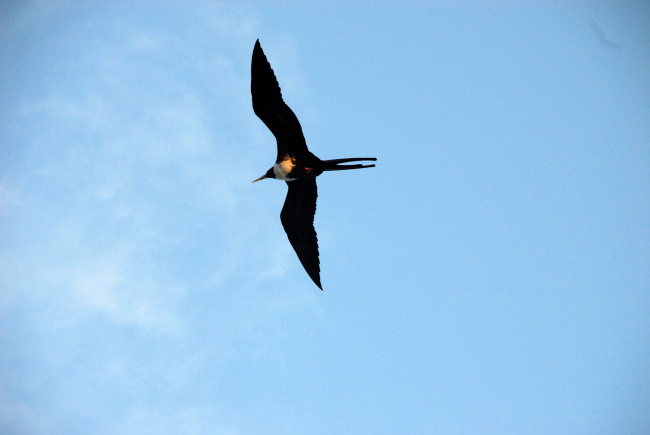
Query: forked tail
[[335, 165]]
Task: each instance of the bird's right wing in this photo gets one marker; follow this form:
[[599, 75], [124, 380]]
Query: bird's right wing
[[297, 218], [271, 108]]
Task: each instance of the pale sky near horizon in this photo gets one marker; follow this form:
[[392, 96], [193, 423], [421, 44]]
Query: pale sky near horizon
[[490, 276]]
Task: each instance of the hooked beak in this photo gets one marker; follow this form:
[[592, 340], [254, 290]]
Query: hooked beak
[[261, 178]]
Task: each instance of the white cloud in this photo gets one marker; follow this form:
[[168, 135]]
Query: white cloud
[[136, 248], [109, 286]]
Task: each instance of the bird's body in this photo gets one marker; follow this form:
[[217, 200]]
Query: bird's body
[[294, 164]]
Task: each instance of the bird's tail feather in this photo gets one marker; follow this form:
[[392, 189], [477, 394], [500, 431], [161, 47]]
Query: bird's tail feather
[[335, 165]]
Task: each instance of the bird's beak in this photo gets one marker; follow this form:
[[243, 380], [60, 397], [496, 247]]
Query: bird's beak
[[261, 178]]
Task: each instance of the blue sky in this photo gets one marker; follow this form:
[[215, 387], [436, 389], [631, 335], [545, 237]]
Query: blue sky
[[489, 276]]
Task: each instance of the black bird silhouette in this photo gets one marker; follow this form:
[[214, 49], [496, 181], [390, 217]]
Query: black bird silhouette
[[294, 164]]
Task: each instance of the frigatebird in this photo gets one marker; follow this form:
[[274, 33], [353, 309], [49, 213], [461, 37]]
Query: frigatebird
[[295, 164]]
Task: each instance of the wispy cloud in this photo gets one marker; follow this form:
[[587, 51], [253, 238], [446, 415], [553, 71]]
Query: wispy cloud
[[133, 264]]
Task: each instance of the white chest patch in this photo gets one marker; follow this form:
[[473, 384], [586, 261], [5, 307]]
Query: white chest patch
[[282, 169]]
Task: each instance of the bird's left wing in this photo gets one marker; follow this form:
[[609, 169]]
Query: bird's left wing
[[297, 218], [271, 108]]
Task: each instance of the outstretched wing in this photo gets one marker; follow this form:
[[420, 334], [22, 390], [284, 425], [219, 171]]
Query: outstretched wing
[[297, 218], [271, 109]]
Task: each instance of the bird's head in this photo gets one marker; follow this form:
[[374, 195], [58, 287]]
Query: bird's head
[[269, 174]]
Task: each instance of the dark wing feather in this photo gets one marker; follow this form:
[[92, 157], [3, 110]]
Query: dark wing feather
[[297, 218], [272, 110]]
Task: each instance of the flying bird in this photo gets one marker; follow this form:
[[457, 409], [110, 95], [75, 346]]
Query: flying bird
[[294, 164], [602, 38]]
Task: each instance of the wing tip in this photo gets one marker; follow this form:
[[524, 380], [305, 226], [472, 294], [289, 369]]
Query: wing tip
[[315, 276]]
